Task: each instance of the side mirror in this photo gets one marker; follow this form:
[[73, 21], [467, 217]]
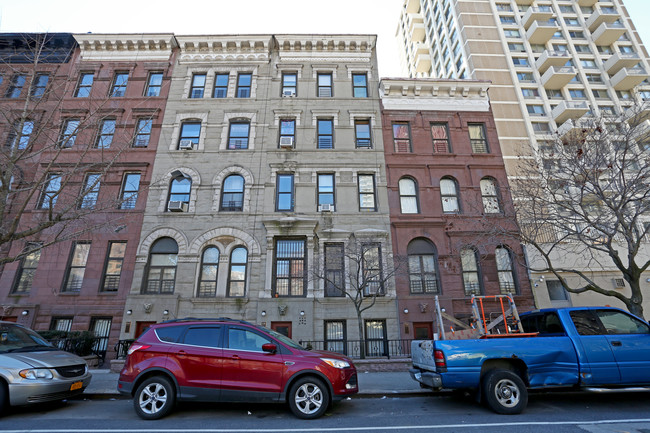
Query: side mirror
[[269, 347]]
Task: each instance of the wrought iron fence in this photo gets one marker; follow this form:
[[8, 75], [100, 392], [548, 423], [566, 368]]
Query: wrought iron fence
[[122, 347], [372, 348], [81, 346]]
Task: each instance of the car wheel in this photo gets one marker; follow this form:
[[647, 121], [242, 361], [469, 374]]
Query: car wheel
[[308, 398], [505, 392], [4, 397], [154, 398]]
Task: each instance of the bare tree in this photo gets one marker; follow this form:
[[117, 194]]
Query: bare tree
[[587, 210], [360, 271], [57, 150]]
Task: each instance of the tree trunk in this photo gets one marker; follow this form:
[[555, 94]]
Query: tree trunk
[[362, 340]]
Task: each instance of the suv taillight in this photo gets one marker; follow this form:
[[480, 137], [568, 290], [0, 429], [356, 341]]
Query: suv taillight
[[137, 346], [439, 358]]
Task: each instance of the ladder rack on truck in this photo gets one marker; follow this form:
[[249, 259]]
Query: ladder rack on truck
[[502, 323]]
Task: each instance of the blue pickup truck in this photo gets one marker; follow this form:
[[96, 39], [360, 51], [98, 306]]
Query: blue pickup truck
[[583, 347]]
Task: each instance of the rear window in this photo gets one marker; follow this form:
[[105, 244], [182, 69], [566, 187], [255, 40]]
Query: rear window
[[544, 324], [170, 334]]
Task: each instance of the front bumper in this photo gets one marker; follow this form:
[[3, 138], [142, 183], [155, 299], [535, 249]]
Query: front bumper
[[427, 378], [37, 391]]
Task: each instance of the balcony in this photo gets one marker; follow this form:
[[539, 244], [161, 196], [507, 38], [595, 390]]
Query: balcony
[[638, 115], [601, 16], [536, 14], [628, 78], [420, 48], [621, 60], [587, 2], [423, 63], [412, 6], [566, 110], [608, 33], [552, 58], [556, 78], [541, 32], [416, 27], [524, 2], [574, 127]]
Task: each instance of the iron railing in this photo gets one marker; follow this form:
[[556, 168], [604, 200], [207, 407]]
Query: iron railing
[[81, 346], [373, 348], [122, 347]]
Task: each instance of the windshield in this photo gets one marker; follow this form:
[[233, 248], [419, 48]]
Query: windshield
[[283, 338], [14, 338]]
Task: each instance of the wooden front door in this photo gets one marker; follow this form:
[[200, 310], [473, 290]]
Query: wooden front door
[[283, 328], [422, 330], [140, 327]]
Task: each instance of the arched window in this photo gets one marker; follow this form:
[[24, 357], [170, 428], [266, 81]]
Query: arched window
[[507, 281], [237, 275], [179, 193], [449, 195], [232, 194], [209, 272], [490, 196], [423, 267], [160, 276], [408, 195], [471, 272]]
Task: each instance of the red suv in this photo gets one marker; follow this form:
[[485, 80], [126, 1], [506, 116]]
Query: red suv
[[233, 361]]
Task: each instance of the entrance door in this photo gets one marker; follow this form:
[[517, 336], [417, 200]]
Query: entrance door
[[140, 327], [283, 328], [423, 330]]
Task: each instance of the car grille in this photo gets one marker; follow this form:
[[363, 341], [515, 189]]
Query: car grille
[[71, 370], [53, 396]]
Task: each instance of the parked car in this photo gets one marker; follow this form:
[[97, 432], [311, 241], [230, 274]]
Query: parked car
[[230, 361], [580, 347], [34, 371]]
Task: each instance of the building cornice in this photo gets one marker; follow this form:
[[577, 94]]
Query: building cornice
[[126, 47], [434, 94]]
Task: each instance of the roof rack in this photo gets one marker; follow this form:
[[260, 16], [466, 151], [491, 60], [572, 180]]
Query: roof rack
[[207, 319]]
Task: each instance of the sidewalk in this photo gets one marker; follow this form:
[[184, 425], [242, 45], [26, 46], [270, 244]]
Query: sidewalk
[[104, 384]]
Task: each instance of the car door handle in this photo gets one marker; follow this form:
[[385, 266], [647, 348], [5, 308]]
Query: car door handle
[[235, 357], [182, 353], [616, 343]]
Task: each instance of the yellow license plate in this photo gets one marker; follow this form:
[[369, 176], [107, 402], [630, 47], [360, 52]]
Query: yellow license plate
[[76, 385]]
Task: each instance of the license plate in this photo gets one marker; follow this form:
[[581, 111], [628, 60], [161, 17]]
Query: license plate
[[76, 385]]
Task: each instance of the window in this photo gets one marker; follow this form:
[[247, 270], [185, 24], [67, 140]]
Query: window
[[507, 20], [16, 87], [290, 277], [113, 267], [106, 133], [490, 195], [198, 86], [535, 110], [530, 93], [594, 78], [402, 137], [516, 47], [376, 338], [39, 85], [69, 132], [289, 84], [160, 275], [180, 189], [143, 133], [520, 61], [85, 85], [325, 133], [232, 196], [423, 267], [209, 272], [626, 49], [190, 132], [408, 195], [440, 137], [23, 138], [582, 48], [324, 85], [367, 200], [477, 138], [505, 269], [554, 94], [588, 64], [449, 195], [238, 135], [284, 193], [525, 77], [244, 85], [372, 279], [237, 275], [119, 84], [325, 190], [51, 190], [247, 340], [76, 267], [221, 86], [27, 268], [334, 270], [287, 132], [470, 271], [360, 85], [335, 336], [61, 324], [101, 328], [90, 191], [362, 133], [511, 33], [600, 93], [571, 21], [130, 187], [154, 84], [577, 94]]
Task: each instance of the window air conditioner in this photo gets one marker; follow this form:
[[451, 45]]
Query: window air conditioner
[[177, 206], [286, 142], [186, 145], [326, 207], [288, 93]]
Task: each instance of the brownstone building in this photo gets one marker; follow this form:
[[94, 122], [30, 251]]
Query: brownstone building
[[82, 123], [450, 207]]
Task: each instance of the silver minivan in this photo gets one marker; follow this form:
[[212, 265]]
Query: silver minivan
[[34, 371]]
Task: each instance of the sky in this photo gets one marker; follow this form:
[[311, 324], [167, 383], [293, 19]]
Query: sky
[[209, 17]]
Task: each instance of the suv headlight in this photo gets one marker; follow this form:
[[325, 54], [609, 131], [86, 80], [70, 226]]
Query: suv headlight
[[36, 373], [336, 363]]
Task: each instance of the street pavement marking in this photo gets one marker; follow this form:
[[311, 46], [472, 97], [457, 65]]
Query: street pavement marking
[[338, 429]]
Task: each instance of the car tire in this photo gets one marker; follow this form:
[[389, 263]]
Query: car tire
[[4, 397], [308, 398], [505, 392], [154, 398]]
